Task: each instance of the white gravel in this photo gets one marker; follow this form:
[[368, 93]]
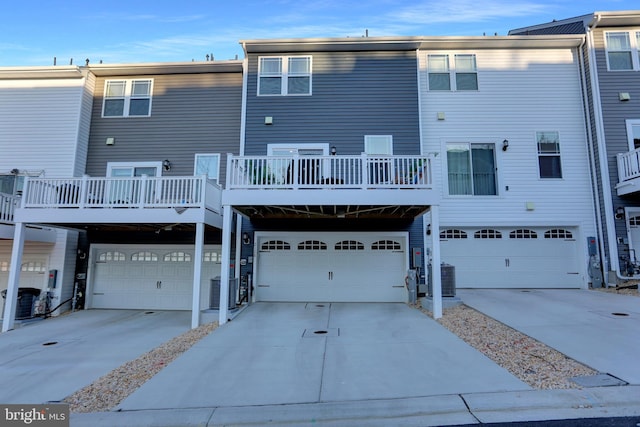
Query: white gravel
[[531, 361], [108, 391]]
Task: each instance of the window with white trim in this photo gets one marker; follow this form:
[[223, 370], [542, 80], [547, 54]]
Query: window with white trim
[[471, 169], [633, 134], [459, 75], [207, 164], [549, 154], [127, 98], [623, 50], [212, 256], [284, 75], [558, 233]]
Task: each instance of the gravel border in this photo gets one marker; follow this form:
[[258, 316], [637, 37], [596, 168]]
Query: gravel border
[[533, 362], [108, 391]]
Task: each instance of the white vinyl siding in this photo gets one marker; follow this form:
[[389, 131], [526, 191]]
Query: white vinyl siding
[[523, 91], [39, 126]]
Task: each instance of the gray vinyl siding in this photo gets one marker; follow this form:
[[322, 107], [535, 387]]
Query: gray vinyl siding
[[353, 94], [84, 126], [614, 114], [190, 113]]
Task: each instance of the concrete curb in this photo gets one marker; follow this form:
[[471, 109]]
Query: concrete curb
[[473, 408]]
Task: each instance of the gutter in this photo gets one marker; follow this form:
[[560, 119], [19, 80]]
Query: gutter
[[592, 162], [614, 257]]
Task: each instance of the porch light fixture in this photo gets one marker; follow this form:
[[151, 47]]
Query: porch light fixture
[[333, 150], [619, 212], [245, 238], [166, 165], [505, 145]]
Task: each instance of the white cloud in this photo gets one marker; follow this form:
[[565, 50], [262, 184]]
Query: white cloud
[[461, 11]]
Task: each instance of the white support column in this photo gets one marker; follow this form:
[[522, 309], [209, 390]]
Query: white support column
[[435, 262], [227, 224], [14, 278], [197, 275]]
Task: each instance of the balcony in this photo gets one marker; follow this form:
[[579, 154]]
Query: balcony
[[106, 200], [628, 172], [329, 186], [8, 204]]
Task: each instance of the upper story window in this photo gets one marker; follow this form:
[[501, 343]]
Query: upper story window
[[207, 164], [633, 134], [284, 75], [623, 50], [127, 98], [549, 154], [471, 169], [460, 75]]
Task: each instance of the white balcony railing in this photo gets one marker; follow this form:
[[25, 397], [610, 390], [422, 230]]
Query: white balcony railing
[[8, 204], [133, 192], [628, 165], [330, 172]]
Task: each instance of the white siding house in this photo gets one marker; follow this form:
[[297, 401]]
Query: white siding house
[[44, 129], [513, 166]]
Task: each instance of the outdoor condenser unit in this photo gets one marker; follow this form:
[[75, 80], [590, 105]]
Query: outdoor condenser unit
[[447, 278]]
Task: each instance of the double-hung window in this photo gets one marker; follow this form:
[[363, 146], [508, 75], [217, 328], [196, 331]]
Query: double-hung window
[[623, 50], [284, 75], [458, 72], [549, 154], [471, 169], [127, 98]]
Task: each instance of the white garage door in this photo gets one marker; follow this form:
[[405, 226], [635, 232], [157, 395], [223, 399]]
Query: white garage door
[[331, 267], [157, 277], [33, 273], [523, 257]]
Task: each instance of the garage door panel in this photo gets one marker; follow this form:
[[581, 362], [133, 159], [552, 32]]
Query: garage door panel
[[131, 278], [509, 262], [348, 270]]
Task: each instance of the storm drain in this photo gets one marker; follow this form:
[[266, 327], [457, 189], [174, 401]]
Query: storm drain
[[598, 380], [321, 332]]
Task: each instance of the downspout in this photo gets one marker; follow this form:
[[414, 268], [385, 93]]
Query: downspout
[[592, 161], [602, 157], [425, 250]]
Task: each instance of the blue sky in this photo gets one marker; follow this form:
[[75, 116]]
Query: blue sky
[[115, 31]]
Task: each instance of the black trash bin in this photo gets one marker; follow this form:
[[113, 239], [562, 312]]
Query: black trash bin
[[27, 298]]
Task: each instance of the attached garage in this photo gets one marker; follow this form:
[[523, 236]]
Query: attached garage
[[513, 257], [331, 266], [33, 272], [149, 277]]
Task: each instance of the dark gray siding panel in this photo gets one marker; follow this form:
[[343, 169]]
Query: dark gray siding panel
[[191, 113], [568, 28], [354, 94], [614, 114]]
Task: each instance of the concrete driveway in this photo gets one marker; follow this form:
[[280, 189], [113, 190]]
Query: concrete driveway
[[48, 360], [287, 353], [601, 330]]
